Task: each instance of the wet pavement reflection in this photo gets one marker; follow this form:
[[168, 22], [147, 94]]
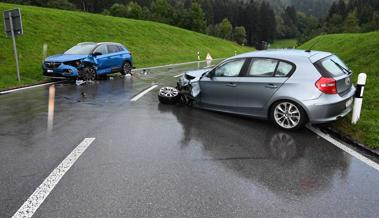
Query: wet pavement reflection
[[288, 163]]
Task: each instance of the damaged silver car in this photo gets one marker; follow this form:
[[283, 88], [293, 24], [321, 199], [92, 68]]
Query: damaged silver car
[[288, 87]]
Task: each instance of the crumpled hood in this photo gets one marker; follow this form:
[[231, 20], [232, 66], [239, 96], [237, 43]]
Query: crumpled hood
[[197, 73], [192, 78], [65, 57]]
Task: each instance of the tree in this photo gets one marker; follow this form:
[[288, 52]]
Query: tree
[[118, 10], [239, 35], [61, 4], [162, 11], [197, 17], [226, 29], [351, 23], [134, 10]]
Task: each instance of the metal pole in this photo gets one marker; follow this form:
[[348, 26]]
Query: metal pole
[[14, 45]]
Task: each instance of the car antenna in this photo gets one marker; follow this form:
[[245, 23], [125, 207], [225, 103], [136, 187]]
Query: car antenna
[[314, 44]]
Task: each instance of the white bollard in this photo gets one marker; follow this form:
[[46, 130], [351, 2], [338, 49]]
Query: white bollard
[[198, 56], [358, 99]]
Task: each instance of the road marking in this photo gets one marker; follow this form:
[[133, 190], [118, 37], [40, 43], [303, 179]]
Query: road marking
[[344, 147], [179, 75], [28, 87], [143, 93], [40, 194]]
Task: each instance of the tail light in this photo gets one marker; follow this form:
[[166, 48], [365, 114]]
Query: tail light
[[327, 85]]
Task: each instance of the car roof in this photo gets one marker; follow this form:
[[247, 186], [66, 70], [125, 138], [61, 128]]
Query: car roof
[[100, 43], [292, 55]]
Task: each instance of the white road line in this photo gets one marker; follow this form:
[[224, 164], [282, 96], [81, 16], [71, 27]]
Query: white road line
[[179, 75], [344, 147], [40, 194], [28, 87], [143, 93]]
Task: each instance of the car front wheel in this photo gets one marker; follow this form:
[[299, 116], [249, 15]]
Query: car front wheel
[[126, 68], [168, 95], [288, 115], [88, 73]]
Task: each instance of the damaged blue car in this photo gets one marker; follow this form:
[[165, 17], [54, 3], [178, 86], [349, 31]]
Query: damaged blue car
[[89, 60]]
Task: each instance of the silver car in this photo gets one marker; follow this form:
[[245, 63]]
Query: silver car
[[288, 87]]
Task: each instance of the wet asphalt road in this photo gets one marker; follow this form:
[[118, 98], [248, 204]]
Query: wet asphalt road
[[152, 160]]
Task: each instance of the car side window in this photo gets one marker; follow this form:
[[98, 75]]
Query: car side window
[[230, 69], [283, 69], [101, 49], [262, 67], [120, 48], [113, 48]]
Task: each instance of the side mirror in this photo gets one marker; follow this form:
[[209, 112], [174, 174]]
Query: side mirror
[[97, 54]]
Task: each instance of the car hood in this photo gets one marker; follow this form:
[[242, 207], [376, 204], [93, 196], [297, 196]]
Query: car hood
[[65, 57], [197, 73]]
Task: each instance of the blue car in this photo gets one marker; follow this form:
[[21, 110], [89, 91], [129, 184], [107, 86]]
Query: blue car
[[89, 60]]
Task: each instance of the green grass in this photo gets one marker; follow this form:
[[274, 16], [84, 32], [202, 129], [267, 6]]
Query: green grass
[[361, 53], [284, 43], [151, 43]]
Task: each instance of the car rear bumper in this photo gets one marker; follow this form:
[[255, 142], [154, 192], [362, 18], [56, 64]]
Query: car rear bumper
[[329, 108]]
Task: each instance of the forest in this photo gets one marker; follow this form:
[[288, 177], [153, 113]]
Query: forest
[[246, 22]]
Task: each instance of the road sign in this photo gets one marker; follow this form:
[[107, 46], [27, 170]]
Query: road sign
[[13, 28], [16, 21]]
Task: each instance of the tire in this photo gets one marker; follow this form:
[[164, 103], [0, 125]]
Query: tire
[[288, 115], [126, 68], [168, 95], [88, 73]]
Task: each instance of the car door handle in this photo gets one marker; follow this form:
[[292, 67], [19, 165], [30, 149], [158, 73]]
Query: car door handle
[[231, 84], [271, 86]]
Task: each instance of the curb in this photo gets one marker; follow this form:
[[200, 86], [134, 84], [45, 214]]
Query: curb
[[347, 139]]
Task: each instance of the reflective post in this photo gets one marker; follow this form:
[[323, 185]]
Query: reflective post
[[358, 99]]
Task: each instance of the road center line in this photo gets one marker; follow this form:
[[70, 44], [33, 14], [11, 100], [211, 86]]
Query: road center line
[[40, 194], [344, 147], [179, 75], [143, 93]]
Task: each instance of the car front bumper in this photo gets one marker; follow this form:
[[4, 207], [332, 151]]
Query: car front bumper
[[61, 71], [329, 108]]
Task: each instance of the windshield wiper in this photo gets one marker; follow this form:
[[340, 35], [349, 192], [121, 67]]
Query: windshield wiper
[[344, 70]]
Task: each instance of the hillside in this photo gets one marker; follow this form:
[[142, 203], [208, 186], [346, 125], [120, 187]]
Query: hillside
[[151, 43], [361, 53]]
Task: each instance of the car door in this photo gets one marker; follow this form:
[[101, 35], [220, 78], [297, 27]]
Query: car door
[[102, 59], [263, 77], [116, 59], [218, 89]]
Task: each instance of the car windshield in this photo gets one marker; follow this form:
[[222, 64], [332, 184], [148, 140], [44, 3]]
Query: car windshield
[[84, 49]]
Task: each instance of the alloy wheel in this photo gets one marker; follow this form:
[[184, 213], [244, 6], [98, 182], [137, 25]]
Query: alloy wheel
[[168, 92], [287, 115]]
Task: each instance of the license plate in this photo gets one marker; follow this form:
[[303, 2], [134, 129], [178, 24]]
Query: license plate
[[349, 102], [50, 71]]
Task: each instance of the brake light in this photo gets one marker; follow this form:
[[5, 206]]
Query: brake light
[[327, 85]]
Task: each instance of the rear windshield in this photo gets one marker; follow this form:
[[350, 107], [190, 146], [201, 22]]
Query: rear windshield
[[329, 66]]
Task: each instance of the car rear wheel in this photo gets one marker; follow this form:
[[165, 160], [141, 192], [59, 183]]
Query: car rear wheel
[[288, 115], [126, 68], [88, 73], [168, 95]]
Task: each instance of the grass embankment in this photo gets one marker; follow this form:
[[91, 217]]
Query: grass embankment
[[284, 43], [361, 53], [151, 43]]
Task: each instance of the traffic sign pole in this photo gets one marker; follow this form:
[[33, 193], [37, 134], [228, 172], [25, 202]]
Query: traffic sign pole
[[14, 45]]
